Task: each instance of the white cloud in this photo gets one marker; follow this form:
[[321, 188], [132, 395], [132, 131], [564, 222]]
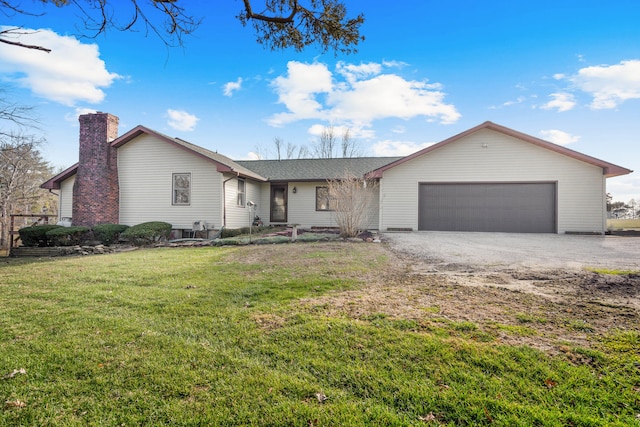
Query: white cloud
[[397, 148], [561, 101], [252, 155], [311, 91], [181, 120], [558, 137], [78, 111], [297, 92], [354, 72], [624, 188], [610, 85], [231, 87], [70, 73], [518, 100], [338, 131], [396, 64]]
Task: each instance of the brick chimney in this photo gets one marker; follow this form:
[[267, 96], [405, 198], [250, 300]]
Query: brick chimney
[[96, 195]]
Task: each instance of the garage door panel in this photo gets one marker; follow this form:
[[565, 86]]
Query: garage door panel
[[497, 207]]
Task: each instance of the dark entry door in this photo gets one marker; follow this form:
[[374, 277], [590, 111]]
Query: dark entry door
[[278, 202]]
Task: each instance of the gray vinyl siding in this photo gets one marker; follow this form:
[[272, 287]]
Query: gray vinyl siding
[[489, 156], [65, 198], [146, 166]]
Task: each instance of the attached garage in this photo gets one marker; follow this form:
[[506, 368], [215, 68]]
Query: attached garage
[[494, 179], [489, 207]]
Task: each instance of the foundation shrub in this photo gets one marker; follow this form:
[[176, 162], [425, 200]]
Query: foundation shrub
[[108, 233], [68, 236], [147, 233], [36, 235]]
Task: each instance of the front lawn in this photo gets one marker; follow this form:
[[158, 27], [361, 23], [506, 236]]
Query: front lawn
[[242, 336], [613, 224]]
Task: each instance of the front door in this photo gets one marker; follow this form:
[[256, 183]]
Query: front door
[[278, 202]]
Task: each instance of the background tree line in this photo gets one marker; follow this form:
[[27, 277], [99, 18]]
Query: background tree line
[[623, 210], [328, 145], [22, 168]]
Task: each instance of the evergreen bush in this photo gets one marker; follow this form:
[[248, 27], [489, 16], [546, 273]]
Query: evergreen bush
[[67, 236], [36, 235], [147, 233], [108, 233]]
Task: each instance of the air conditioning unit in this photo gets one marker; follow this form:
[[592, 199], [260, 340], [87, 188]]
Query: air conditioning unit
[[199, 226], [65, 222]]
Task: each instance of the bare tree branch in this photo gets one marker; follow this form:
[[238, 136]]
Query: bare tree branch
[[22, 169], [324, 148], [18, 115], [282, 24], [351, 199], [17, 31], [273, 19]]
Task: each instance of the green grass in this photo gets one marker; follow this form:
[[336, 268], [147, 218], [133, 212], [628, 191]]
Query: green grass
[[614, 271], [216, 336], [623, 223]]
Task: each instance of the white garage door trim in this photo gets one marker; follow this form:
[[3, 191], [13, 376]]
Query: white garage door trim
[[511, 207]]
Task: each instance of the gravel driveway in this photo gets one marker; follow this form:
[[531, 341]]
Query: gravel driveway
[[506, 250]]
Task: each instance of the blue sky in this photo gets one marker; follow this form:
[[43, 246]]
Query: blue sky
[[567, 72]]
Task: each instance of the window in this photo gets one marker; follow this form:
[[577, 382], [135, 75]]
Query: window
[[181, 189], [324, 201], [241, 192]]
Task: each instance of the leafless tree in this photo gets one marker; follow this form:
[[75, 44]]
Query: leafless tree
[[278, 146], [326, 144], [303, 152], [15, 114], [291, 150], [22, 170], [280, 24], [350, 200], [350, 147], [262, 153]]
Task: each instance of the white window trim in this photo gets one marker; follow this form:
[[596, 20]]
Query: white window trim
[[174, 201], [243, 193]]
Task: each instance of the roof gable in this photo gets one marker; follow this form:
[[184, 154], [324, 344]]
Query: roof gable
[[608, 169], [54, 183], [315, 169], [223, 163]]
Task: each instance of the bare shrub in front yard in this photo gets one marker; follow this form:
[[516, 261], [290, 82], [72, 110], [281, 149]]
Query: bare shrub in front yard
[[351, 198]]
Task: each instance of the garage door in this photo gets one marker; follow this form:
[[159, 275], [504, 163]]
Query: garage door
[[497, 207]]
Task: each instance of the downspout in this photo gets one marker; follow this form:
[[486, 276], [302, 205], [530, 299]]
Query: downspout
[[224, 199]]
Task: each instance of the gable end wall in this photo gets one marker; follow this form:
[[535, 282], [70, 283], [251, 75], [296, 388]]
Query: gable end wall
[[146, 166], [488, 156]]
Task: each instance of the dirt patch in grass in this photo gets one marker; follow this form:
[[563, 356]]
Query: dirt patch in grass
[[556, 311]]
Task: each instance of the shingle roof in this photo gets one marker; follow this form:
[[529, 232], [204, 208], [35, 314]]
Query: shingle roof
[[225, 164], [314, 169]]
